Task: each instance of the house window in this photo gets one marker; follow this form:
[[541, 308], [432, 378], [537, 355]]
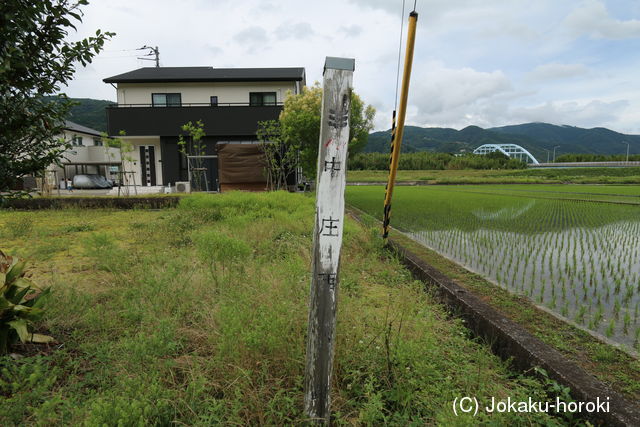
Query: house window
[[166, 99], [97, 142], [262, 98], [76, 141], [214, 101]]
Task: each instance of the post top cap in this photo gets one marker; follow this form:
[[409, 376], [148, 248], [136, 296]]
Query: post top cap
[[348, 64]]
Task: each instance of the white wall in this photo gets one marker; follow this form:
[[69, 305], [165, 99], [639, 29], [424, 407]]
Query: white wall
[[228, 92], [135, 166], [88, 152]]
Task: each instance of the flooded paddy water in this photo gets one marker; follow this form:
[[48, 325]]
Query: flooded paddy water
[[573, 249]]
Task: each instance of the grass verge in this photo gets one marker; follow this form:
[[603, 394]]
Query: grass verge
[[197, 315]]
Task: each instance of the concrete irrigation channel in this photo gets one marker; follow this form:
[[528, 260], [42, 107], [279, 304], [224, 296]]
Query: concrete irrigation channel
[[509, 340]]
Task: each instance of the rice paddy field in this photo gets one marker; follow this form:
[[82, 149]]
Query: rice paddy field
[[574, 249]]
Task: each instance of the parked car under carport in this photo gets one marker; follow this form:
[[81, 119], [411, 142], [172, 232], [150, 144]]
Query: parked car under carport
[[91, 181]]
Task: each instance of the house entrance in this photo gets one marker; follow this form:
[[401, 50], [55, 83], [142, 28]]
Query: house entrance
[[147, 165]]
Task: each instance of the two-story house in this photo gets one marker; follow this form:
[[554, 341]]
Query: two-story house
[[154, 103], [87, 154]]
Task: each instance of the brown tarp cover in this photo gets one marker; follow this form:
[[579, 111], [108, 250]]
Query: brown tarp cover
[[240, 164]]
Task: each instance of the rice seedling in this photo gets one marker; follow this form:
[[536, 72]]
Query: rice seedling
[[558, 245]]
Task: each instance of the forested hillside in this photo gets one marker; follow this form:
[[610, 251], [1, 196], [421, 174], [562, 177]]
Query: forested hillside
[[538, 138], [89, 112]]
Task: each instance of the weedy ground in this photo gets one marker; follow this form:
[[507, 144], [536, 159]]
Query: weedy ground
[[197, 315]]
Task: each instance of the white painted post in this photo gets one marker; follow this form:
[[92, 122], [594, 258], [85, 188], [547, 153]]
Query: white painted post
[[327, 240]]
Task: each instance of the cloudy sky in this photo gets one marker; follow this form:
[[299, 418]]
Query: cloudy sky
[[481, 62]]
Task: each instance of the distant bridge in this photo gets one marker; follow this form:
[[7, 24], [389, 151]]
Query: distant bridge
[[512, 150]]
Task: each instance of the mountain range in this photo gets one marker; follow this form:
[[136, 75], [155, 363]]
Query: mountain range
[[538, 138], [88, 112]]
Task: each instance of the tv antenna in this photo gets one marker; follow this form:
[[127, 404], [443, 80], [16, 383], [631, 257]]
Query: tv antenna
[[153, 51]]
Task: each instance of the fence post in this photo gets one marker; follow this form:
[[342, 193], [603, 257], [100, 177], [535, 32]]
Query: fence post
[[327, 237]]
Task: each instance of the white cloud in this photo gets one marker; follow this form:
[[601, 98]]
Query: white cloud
[[592, 18], [556, 71], [576, 113], [301, 30], [449, 94], [512, 29], [252, 34], [351, 30]]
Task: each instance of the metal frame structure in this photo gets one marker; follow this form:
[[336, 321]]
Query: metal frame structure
[[512, 150], [190, 171], [84, 165], [124, 179]]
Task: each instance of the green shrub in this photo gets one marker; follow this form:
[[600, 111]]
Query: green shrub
[[19, 308], [435, 161], [583, 157]]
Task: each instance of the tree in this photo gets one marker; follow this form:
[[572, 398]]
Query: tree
[[125, 148], [35, 61], [194, 146], [300, 124], [280, 158]]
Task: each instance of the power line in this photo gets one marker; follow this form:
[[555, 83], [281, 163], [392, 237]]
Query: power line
[[395, 107], [112, 57], [153, 52], [120, 50]]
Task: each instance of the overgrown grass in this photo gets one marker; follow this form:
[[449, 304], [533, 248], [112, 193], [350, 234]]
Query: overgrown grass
[[147, 336]]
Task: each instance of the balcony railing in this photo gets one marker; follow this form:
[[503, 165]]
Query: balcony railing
[[198, 104], [223, 119]]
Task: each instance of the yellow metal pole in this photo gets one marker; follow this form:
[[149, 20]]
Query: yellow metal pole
[[396, 132]]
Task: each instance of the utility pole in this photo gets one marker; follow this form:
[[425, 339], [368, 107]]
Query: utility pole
[[548, 152], [397, 132], [554, 153], [625, 142], [153, 52], [327, 237]]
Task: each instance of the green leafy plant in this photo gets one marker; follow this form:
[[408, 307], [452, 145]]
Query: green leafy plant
[[37, 61], [20, 304], [124, 149], [280, 157], [300, 124], [192, 145]]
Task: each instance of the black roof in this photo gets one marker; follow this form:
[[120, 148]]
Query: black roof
[[207, 74], [79, 128]]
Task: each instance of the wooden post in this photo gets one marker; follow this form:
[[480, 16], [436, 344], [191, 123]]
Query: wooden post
[[327, 238]]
